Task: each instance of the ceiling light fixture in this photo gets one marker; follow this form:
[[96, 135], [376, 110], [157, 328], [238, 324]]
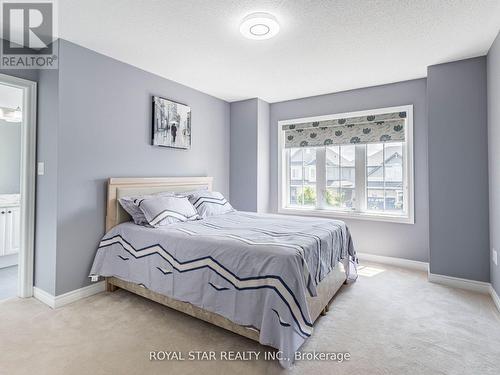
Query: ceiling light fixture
[[259, 26]]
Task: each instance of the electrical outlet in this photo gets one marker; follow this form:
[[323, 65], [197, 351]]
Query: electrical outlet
[[494, 256], [41, 168]]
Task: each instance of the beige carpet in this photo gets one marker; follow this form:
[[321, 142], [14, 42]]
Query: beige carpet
[[392, 321]]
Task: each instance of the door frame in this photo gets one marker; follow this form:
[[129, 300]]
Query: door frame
[[27, 183]]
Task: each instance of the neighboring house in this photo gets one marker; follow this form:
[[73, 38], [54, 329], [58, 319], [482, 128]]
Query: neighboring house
[[382, 182], [385, 182]]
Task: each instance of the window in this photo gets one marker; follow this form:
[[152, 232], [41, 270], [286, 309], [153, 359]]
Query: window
[[302, 180], [384, 174], [349, 165], [340, 189]]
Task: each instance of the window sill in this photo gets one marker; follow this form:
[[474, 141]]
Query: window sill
[[346, 215]]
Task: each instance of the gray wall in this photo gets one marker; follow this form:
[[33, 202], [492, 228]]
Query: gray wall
[[387, 239], [249, 172], [263, 145], [46, 186], [10, 157], [104, 130], [458, 169], [32, 75], [243, 159], [493, 69], [94, 122]]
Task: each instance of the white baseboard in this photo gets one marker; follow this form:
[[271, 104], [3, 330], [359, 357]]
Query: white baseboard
[[44, 297], [399, 262], [456, 282], [495, 297], [66, 298]]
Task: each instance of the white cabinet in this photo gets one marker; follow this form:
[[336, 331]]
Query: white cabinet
[[13, 230], [10, 225]]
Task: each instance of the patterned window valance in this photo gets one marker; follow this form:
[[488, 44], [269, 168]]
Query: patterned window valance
[[387, 127]]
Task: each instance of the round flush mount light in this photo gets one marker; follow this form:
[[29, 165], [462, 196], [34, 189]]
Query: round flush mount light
[[259, 26]]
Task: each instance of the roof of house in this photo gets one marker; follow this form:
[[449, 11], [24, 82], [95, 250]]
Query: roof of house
[[332, 157]]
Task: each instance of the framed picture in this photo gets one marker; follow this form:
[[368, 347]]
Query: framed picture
[[171, 124]]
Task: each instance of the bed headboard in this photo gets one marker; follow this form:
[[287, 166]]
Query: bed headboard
[[122, 187]]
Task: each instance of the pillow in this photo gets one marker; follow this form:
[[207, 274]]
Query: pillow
[[188, 193], [129, 205], [209, 203], [135, 212], [163, 210]]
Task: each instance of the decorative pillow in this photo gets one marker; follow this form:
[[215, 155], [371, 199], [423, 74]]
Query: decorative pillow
[[209, 203], [129, 205], [191, 192], [135, 212], [163, 210]]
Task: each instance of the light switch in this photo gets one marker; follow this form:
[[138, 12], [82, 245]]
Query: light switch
[[41, 168], [494, 257]]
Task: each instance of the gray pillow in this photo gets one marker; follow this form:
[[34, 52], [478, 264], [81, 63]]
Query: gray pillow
[[163, 210], [129, 205], [209, 203], [191, 192]]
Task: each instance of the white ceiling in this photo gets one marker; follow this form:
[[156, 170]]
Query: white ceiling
[[324, 45]]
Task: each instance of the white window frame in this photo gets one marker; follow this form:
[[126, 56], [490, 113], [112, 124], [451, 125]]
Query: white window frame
[[360, 212]]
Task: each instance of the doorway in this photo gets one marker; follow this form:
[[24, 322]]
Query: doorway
[[17, 185]]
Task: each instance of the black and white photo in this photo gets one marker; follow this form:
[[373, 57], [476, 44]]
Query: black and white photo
[[171, 124]]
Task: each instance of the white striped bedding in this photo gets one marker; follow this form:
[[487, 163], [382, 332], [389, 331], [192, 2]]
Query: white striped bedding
[[254, 269], [210, 203]]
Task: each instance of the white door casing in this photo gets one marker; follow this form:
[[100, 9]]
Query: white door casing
[[27, 184]]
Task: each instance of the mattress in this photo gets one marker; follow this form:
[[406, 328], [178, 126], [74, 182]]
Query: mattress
[[257, 270]]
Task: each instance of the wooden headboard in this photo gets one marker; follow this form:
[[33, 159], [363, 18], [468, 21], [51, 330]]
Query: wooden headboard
[[122, 187]]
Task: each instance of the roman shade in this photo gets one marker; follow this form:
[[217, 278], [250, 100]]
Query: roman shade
[[387, 127]]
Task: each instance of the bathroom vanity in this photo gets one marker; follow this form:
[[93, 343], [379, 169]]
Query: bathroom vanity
[[10, 225]]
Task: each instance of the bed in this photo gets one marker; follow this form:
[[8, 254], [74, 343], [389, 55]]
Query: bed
[[266, 277]]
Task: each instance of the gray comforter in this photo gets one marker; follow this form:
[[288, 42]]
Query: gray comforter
[[254, 269]]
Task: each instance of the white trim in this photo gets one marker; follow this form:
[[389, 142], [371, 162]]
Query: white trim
[[28, 169], [44, 297], [494, 296], [409, 194], [67, 298], [376, 111], [456, 282], [281, 177], [398, 262], [338, 214]]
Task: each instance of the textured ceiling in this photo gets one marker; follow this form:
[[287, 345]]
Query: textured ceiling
[[324, 45]]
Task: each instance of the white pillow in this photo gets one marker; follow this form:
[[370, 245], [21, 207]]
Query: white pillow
[[163, 210], [191, 192], [209, 203], [129, 205], [135, 212]]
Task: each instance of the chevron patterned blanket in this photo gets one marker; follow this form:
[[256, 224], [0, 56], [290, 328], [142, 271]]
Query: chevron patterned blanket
[[254, 269]]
